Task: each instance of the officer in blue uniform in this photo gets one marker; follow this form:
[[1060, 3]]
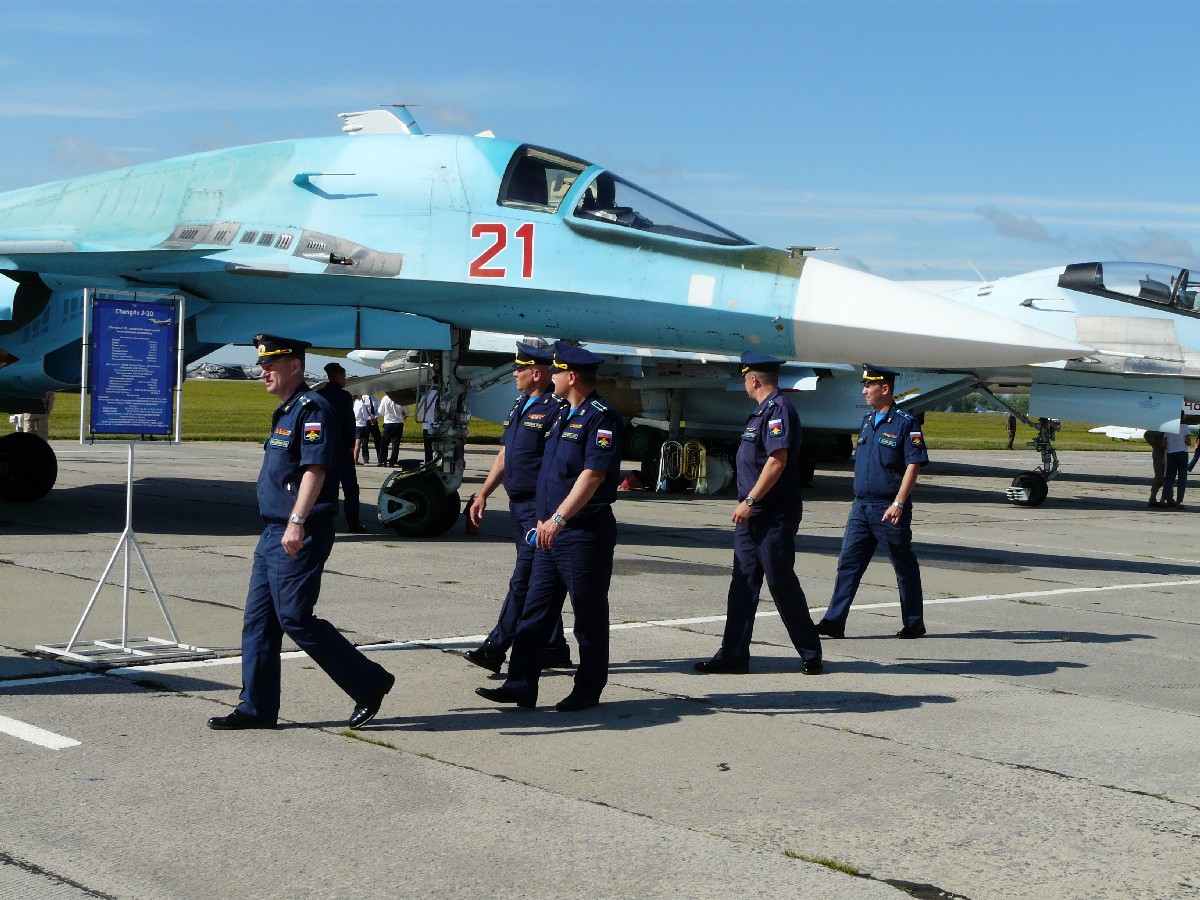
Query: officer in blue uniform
[[343, 406], [576, 537], [297, 498], [766, 520], [887, 461], [517, 465]]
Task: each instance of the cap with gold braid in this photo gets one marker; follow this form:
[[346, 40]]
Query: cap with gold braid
[[875, 374], [759, 362], [529, 355], [271, 346], [568, 356]]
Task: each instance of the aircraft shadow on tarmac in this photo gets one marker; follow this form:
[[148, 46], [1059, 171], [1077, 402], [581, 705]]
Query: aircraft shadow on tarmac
[[961, 557], [1066, 476]]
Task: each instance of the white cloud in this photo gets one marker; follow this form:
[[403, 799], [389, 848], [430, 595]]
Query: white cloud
[[74, 150]]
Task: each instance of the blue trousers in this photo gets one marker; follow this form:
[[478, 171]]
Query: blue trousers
[[765, 547], [348, 478], [1176, 475], [523, 516], [866, 530], [580, 564], [283, 592]]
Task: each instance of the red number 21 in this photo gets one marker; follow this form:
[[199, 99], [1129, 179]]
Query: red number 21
[[498, 232]]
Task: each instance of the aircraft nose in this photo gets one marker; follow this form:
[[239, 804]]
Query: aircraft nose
[[843, 314]]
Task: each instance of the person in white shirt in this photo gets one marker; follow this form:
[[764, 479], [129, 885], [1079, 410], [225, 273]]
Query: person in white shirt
[[370, 411], [394, 416], [1177, 459], [362, 431]]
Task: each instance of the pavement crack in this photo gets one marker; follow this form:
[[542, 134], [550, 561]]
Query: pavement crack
[[7, 859]]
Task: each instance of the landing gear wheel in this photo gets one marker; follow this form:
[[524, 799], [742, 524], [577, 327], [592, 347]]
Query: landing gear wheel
[[1028, 489], [28, 467], [435, 510], [642, 443]]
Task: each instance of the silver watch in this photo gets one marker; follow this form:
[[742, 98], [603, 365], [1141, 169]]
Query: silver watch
[[749, 501], [295, 519], [558, 520]]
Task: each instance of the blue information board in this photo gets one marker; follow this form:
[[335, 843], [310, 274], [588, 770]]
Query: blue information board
[[133, 367]]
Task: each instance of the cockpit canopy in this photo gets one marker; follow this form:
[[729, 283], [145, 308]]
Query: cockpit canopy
[[1148, 282], [539, 180]]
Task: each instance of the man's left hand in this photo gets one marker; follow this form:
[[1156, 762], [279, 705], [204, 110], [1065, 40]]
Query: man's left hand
[[293, 539], [546, 533]]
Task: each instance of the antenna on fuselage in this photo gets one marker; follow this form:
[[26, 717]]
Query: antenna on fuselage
[[797, 252], [381, 121]]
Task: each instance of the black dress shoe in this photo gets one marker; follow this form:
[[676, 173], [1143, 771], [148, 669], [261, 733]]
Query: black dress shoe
[[575, 702], [237, 721], [365, 713], [911, 631], [716, 666], [557, 659], [831, 629], [507, 695], [814, 666], [487, 656]]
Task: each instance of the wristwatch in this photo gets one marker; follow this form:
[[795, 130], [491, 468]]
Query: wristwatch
[[558, 520], [749, 501], [295, 519]]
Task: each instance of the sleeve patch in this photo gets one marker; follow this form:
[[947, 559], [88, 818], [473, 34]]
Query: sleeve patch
[[312, 432], [775, 427], [916, 438], [604, 438]]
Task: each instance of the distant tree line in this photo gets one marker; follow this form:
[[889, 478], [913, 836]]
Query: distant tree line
[[980, 402]]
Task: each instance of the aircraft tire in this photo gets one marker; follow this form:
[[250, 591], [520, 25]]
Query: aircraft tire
[[28, 467], [435, 510], [1036, 484], [642, 443]]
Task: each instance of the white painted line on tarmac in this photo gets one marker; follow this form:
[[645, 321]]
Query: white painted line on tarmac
[[35, 735], [474, 639]]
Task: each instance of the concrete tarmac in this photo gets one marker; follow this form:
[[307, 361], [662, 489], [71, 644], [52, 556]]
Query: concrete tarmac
[[1041, 741]]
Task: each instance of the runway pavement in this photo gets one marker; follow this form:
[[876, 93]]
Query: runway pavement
[[1041, 742]]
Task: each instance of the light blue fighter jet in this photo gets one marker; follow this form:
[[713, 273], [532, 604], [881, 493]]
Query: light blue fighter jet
[[1141, 319], [394, 238], [1144, 372]]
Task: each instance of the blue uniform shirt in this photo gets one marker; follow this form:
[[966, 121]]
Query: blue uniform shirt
[[304, 432], [589, 439], [884, 452], [524, 441], [774, 425]]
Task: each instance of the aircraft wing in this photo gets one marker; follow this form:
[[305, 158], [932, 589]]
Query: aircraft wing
[[68, 257]]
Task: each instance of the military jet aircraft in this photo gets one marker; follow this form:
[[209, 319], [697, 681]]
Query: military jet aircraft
[[1144, 373], [667, 396], [393, 238]]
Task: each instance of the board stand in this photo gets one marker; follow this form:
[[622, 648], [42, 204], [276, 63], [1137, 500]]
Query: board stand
[[125, 649]]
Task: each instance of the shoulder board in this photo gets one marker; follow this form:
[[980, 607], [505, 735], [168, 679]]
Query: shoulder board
[[307, 399], [902, 413], [600, 407]]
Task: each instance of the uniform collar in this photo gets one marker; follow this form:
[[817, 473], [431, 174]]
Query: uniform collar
[[287, 404], [766, 401], [887, 414], [587, 401]]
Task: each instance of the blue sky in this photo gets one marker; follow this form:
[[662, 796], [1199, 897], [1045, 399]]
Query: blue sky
[[918, 137]]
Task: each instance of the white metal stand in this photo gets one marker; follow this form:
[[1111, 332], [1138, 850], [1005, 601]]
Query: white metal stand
[[124, 648]]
